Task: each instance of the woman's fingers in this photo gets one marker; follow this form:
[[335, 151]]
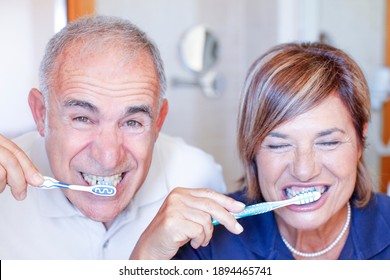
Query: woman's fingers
[[185, 216], [218, 206]]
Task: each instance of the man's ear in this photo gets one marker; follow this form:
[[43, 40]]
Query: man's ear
[[365, 128], [162, 115], [36, 100]]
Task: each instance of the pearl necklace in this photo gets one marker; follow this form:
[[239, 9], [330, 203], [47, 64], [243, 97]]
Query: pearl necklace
[[327, 249]]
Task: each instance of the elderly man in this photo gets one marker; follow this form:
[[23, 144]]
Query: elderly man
[[99, 111]]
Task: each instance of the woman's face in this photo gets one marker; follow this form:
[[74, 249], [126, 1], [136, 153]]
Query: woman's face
[[318, 149]]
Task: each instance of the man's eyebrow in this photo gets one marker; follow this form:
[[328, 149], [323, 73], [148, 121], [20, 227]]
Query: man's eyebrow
[[139, 109], [128, 111], [81, 103]]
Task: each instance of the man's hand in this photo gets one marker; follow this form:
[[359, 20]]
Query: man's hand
[[16, 169], [186, 216]]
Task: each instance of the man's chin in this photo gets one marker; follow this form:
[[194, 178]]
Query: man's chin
[[99, 210], [105, 217]]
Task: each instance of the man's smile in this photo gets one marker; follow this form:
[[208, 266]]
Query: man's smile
[[112, 180]]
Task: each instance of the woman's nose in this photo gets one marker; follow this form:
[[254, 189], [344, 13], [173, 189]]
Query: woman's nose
[[304, 165], [108, 149]]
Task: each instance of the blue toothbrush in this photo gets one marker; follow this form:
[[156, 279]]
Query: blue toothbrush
[[260, 208], [101, 190]]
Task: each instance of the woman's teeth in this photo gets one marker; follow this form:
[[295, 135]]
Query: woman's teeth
[[102, 180], [292, 192]]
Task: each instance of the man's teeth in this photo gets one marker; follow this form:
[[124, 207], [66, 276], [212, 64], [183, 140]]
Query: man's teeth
[[102, 180], [291, 192]]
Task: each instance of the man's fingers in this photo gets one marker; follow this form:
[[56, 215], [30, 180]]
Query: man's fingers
[[32, 175], [12, 173], [12, 151], [17, 170], [3, 179]]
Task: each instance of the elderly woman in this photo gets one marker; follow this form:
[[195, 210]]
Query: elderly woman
[[302, 127]]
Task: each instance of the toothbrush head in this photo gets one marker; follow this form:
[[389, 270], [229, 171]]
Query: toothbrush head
[[307, 197], [103, 190]]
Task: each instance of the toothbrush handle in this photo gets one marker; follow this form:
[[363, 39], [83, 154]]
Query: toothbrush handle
[[100, 190], [257, 209], [78, 188], [260, 208], [62, 185], [54, 186]]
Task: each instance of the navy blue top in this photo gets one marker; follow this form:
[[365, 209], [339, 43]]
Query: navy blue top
[[368, 239]]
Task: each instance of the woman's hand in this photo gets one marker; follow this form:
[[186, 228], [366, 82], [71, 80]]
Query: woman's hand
[[186, 216]]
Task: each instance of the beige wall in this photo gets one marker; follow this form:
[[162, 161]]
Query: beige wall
[[244, 28], [25, 27]]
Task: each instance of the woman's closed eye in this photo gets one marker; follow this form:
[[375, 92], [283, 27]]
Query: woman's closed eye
[[282, 147], [329, 145]]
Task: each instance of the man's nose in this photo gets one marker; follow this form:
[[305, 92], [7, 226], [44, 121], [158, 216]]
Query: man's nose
[[305, 165], [107, 148]]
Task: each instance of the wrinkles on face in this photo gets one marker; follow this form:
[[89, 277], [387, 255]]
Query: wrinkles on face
[[316, 149], [103, 123]]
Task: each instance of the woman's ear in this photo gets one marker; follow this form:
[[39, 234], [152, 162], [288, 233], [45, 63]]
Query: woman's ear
[[36, 100], [364, 134]]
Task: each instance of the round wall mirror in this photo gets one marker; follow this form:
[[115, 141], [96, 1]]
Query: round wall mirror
[[199, 49]]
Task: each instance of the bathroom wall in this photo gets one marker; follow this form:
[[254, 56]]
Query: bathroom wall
[[358, 27], [244, 28], [25, 27]]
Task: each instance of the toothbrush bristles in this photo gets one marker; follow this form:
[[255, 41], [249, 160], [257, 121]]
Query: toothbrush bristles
[[309, 196]]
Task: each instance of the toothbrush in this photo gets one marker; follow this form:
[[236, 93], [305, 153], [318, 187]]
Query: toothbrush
[[100, 190], [260, 208]]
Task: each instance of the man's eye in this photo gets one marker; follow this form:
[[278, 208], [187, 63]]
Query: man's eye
[[82, 119], [133, 124]]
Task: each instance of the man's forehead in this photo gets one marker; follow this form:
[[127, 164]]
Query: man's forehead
[[103, 73]]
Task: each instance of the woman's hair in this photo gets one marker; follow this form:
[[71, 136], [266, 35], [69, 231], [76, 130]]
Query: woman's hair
[[97, 34], [289, 80]]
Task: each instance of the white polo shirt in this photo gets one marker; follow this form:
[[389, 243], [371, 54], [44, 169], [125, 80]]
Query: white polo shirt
[[47, 226]]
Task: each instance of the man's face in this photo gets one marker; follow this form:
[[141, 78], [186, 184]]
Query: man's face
[[101, 124]]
